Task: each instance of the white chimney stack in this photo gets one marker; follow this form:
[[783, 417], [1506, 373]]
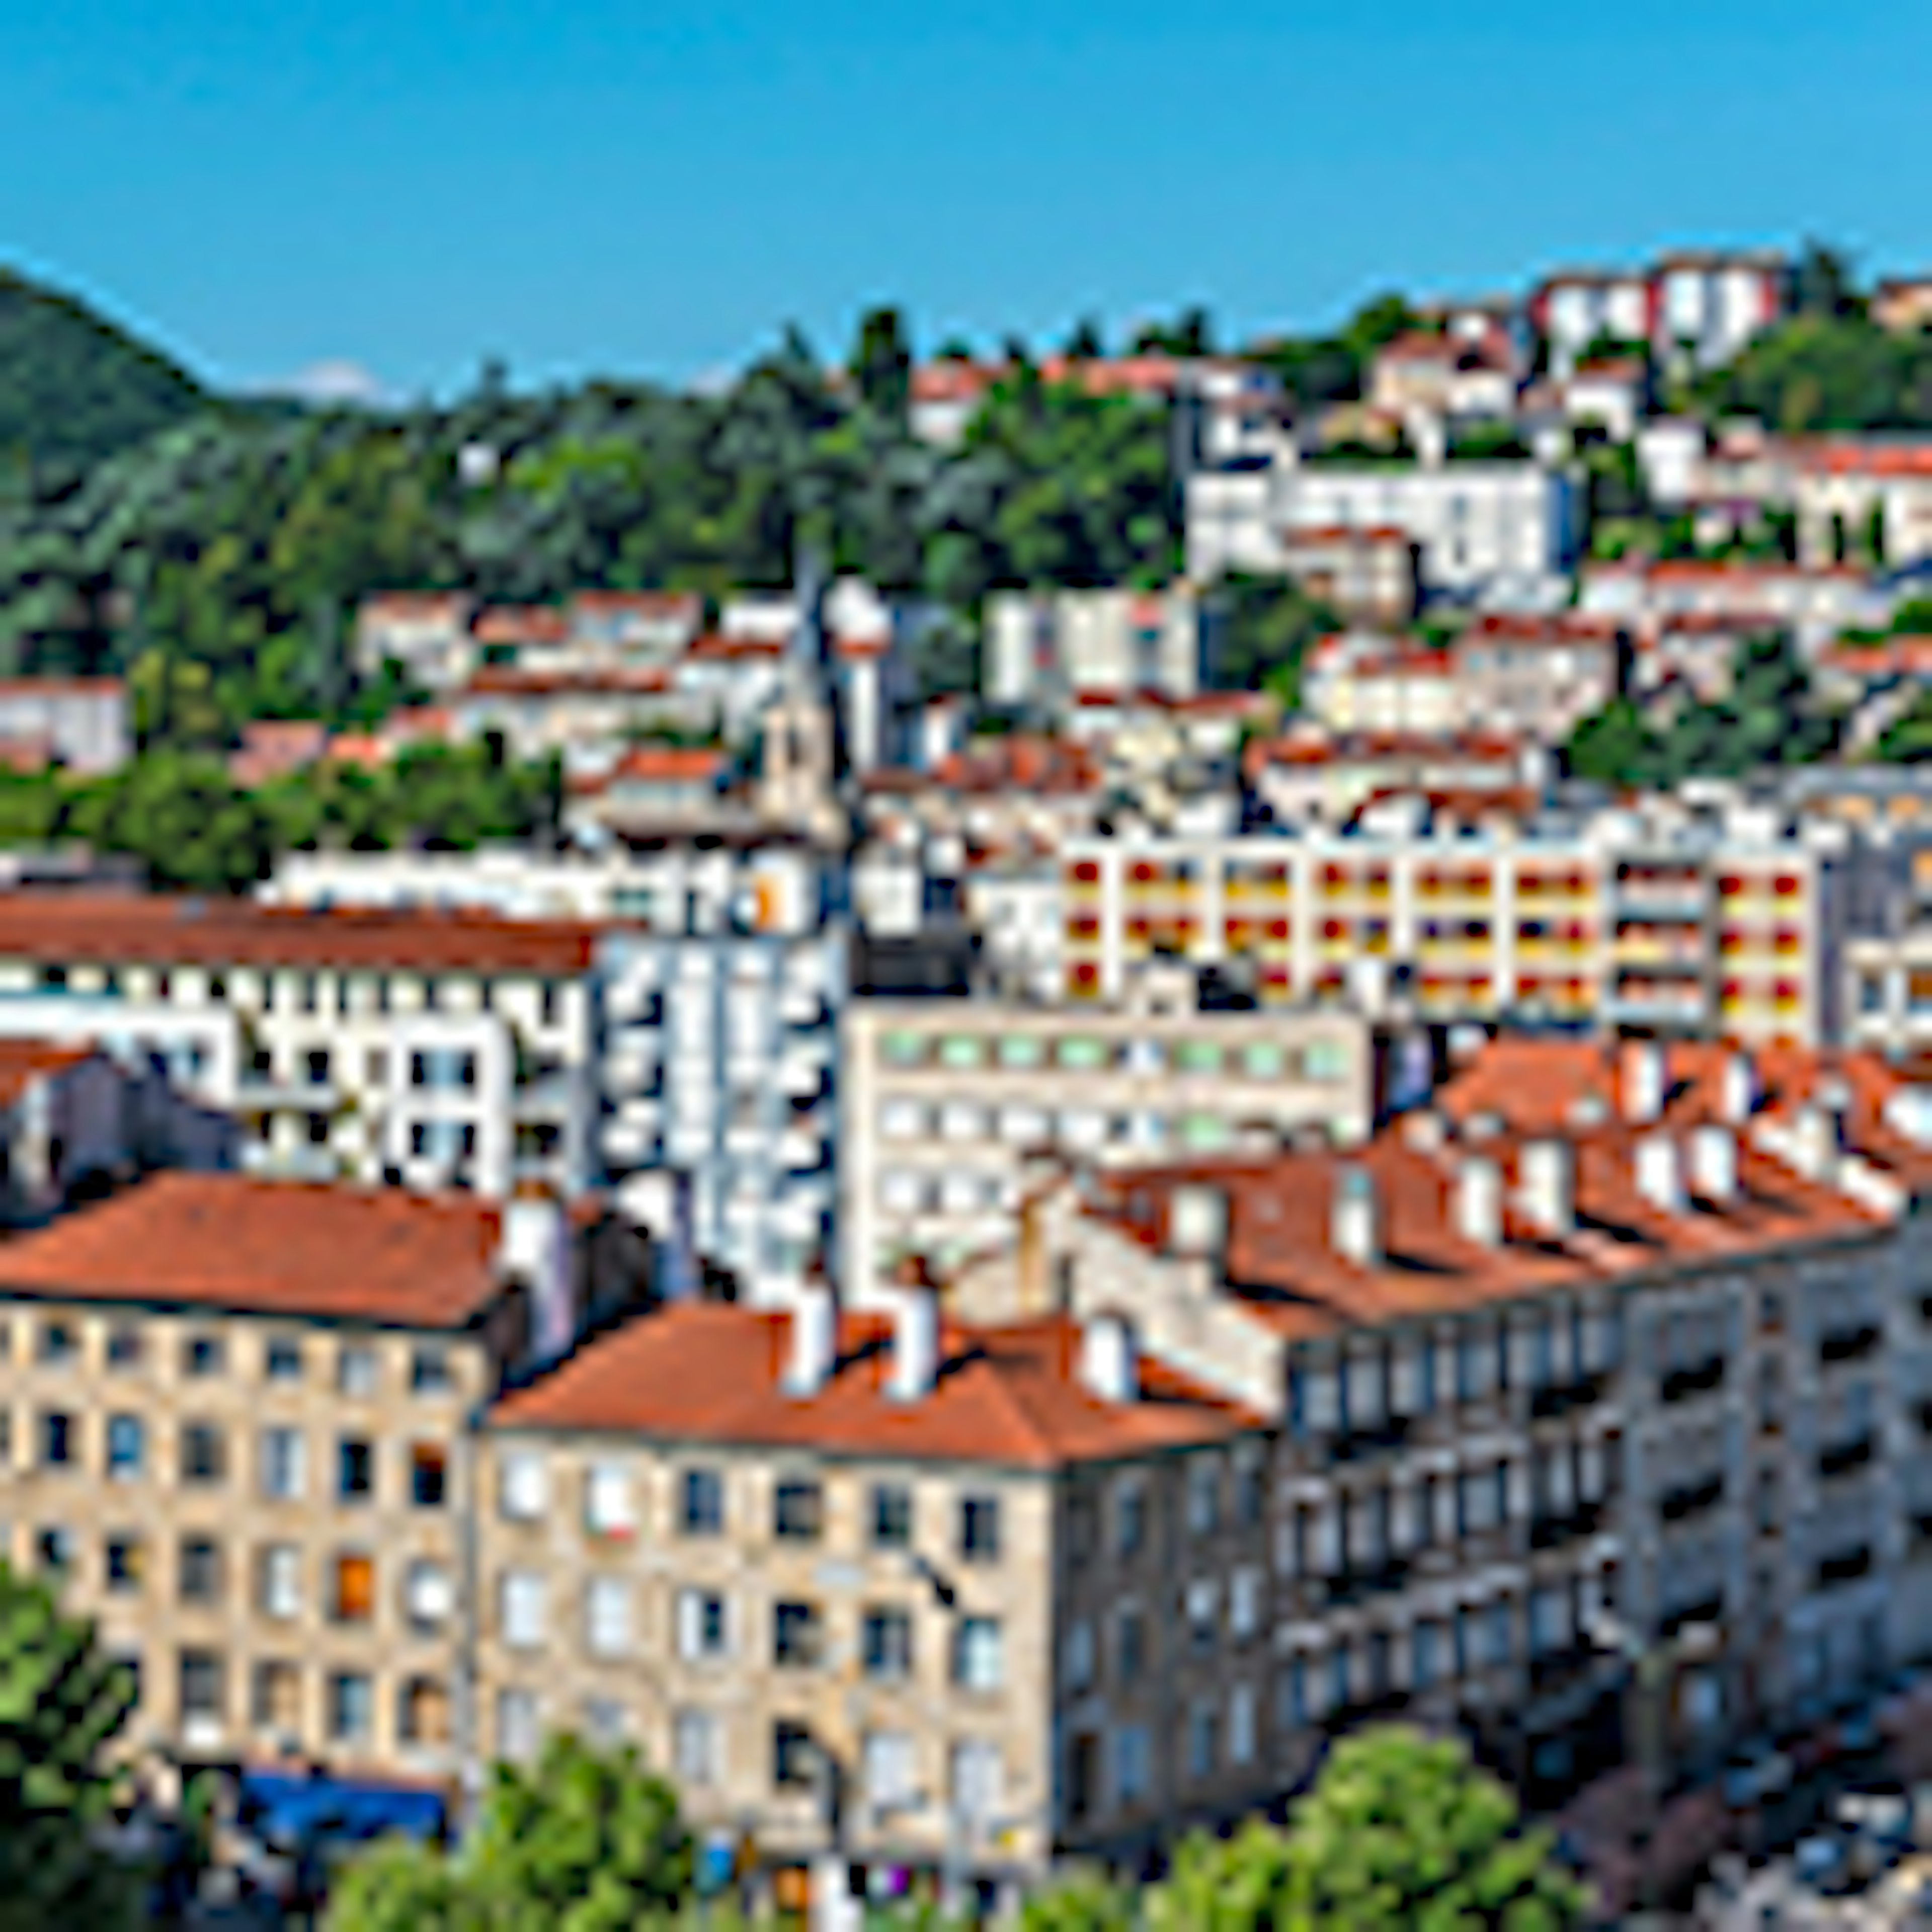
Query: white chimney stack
[[1479, 1201], [815, 1331], [1642, 1066], [1354, 1223], [1660, 1174], [1548, 1191], [1740, 1095], [534, 1250], [1815, 1146], [1109, 1360], [915, 1364], [1197, 1221], [1713, 1163]]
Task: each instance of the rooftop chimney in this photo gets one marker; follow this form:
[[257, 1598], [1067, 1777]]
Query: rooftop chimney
[[1816, 1141], [1355, 1227], [915, 1364], [1641, 1065], [1660, 1174], [1197, 1221], [1740, 1094], [534, 1250], [1109, 1359], [1479, 1201], [1713, 1163], [1549, 1189], [814, 1330]]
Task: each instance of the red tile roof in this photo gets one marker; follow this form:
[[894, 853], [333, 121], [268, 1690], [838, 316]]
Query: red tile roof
[[24, 1061], [1007, 1395], [110, 928], [103, 687], [270, 1247]]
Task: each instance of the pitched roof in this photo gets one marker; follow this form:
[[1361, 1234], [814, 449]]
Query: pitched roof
[[269, 1247], [1008, 1395], [61, 928], [24, 1061]]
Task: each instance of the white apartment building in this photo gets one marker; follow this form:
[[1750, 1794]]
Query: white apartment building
[[945, 1102], [80, 723], [439, 1048], [1734, 928], [1847, 485], [1055, 650], [1474, 523]]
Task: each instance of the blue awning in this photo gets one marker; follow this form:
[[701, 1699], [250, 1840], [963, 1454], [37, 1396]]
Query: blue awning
[[290, 1804]]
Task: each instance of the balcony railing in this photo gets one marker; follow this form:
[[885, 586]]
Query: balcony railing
[[1552, 1531], [1848, 1344], [1561, 1398], [1682, 1385]]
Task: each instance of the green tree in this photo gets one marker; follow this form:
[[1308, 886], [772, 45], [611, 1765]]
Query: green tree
[[585, 1841], [195, 830], [1615, 746], [882, 361], [1402, 1830], [62, 1703], [1238, 1884], [1088, 1901], [1267, 625]]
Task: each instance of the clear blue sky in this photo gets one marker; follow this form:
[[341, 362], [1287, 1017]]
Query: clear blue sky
[[653, 189]]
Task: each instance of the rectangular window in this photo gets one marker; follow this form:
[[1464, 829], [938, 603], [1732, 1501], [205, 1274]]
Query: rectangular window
[[979, 1528], [702, 1503], [607, 1509], [888, 1771], [127, 1447], [429, 1595], [284, 1460], [1133, 1758], [125, 1564], [886, 1643], [522, 1609], [353, 1598], [351, 1707], [54, 1550], [794, 1756], [429, 1475], [892, 1516], [1203, 1495], [202, 1355], [204, 1452], [1130, 1509], [354, 1470], [278, 1584], [355, 1370], [606, 1616], [695, 1756], [200, 1572], [202, 1693], [429, 1372], [797, 1635], [123, 1346], [60, 1344], [284, 1361], [524, 1494], [701, 1632], [56, 1440], [277, 1698], [517, 1725], [977, 1663], [798, 1509]]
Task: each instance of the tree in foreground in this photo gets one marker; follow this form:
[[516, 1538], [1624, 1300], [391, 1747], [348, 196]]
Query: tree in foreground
[[585, 1841], [62, 1702]]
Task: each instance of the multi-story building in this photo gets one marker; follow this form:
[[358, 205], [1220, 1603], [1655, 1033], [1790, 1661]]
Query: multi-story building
[[80, 723], [1474, 524], [1865, 500], [1735, 928], [945, 1102], [439, 1047], [1704, 306], [1368, 576], [918, 1595], [1052, 652]]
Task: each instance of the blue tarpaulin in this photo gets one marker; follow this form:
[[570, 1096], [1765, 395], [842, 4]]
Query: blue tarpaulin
[[291, 1805]]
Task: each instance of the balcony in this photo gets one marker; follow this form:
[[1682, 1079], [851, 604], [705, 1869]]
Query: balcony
[[1841, 1459], [1847, 1344], [1364, 1445], [1848, 1566], [1552, 1531], [1686, 1384], [1686, 1500], [1556, 1399], [1365, 1580]]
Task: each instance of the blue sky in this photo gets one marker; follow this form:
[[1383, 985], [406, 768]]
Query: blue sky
[[653, 189]]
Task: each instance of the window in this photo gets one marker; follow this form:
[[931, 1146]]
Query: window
[[351, 1707], [1241, 1725], [284, 1460], [701, 1511], [53, 1549], [701, 1631], [56, 1440], [606, 1616], [888, 1770], [1425, 1643], [695, 1756], [525, 1492], [517, 1724], [1249, 1489], [522, 1608], [979, 1528], [123, 1346], [1130, 1509], [201, 1686], [1130, 1645], [278, 1581], [429, 1594], [125, 1562], [892, 1516], [798, 1510], [1076, 1656], [1203, 1603], [1204, 1727], [429, 1372], [1244, 1604], [353, 1598], [1133, 1758], [355, 1370], [277, 1698], [429, 1475], [423, 1711], [354, 1469], [126, 1447], [204, 1452], [202, 1355], [60, 1343], [1203, 1495], [200, 1571], [284, 1361], [886, 1643], [794, 1756], [797, 1635], [976, 1658]]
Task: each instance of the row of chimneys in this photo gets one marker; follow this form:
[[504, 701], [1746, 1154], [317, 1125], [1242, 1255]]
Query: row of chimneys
[[1109, 1365]]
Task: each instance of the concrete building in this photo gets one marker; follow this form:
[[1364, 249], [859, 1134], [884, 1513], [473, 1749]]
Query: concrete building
[[944, 1103], [1366, 575], [1050, 652], [1865, 500], [80, 723]]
